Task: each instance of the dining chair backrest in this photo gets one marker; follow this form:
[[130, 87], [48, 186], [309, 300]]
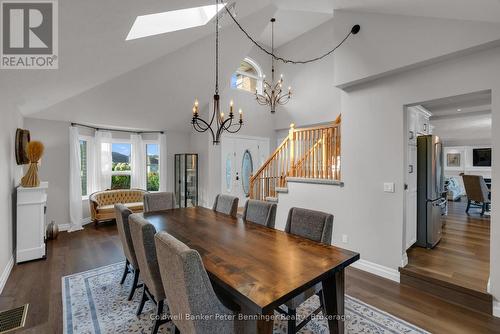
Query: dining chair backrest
[[159, 201], [310, 224], [226, 204], [123, 226], [476, 188], [188, 288], [143, 234], [260, 212]]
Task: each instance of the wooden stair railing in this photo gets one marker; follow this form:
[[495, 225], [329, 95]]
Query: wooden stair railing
[[306, 152]]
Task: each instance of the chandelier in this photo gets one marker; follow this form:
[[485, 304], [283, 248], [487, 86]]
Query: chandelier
[[273, 94], [219, 123]]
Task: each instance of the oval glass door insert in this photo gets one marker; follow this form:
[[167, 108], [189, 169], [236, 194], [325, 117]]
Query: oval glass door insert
[[246, 171]]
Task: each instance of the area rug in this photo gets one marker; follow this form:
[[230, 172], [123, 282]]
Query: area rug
[[95, 302]]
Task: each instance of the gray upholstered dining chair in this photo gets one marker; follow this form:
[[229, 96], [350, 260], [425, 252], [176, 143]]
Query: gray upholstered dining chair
[[477, 192], [189, 290], [316, 226], [159, 201], [143, 234], [260, 212], [131, 266], [226, 204]]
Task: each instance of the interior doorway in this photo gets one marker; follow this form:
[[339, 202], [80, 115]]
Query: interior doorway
[[447, 235], [241, 157]]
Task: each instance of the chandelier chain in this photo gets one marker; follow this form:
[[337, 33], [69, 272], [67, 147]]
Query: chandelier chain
[[217, 47], [285, 60]]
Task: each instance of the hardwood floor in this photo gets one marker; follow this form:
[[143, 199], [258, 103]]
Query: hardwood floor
[[39, 283], [462, 257]]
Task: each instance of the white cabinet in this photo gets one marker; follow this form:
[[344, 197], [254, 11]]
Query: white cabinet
[[31, 223]]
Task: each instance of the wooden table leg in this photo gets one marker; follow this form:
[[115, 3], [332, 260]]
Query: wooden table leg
[[265, 326], [333, 293]]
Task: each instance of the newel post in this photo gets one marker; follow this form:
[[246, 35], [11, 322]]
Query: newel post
[[252, 195], [291, 140]]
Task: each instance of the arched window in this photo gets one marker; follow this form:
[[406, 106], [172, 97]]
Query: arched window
[[247, 77]]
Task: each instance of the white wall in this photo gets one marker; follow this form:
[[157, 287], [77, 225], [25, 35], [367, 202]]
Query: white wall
[[315, 99], [372, 153], [373, 146], [54, 166], [10, 175], [388, 44]]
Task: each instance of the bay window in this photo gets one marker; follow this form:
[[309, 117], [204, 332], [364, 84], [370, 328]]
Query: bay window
[[122, 164]]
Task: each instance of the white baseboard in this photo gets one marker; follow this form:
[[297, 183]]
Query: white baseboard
[[6, 273], [377, 269], [65, 227], [496, 308]]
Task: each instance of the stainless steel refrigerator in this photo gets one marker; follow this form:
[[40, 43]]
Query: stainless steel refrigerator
[[430, 188]]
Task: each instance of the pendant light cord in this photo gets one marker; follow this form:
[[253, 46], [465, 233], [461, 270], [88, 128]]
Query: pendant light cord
[[217, 48], [354, 30], [272, 48]]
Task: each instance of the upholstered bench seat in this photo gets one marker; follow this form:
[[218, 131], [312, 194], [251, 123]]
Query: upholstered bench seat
[[136, 206], [102, 203]]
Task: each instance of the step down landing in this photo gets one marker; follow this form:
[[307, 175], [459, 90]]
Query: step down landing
[[471, 299]]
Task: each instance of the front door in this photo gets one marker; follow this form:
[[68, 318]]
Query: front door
[[241, 157]]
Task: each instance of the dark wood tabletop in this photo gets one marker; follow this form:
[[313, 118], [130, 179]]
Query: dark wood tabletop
[[261, 268]]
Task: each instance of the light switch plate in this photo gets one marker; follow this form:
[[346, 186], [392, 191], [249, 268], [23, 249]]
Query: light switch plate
[[389, 187]]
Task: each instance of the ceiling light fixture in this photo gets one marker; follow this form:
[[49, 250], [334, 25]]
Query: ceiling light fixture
[[273, 94], [160, 23], [221, 124]]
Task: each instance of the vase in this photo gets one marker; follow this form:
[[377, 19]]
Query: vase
[[31, 180]]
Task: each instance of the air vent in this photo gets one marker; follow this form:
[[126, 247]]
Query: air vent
[[13, 319]]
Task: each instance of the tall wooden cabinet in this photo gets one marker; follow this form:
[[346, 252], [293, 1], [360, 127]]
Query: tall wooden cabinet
[[31, 223]]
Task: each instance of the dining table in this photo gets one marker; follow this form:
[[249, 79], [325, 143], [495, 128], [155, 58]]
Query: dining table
[[257, 267]]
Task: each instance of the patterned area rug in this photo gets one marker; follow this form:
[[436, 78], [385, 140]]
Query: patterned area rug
[[95, 302]]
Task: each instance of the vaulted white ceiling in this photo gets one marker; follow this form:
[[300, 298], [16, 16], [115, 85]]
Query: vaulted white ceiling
[[475, 10], [95, 59], [93, 48]]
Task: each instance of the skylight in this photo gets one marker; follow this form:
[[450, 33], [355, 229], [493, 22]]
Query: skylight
[[160, 23]]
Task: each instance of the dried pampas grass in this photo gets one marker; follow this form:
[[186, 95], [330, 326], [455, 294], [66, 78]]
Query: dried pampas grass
[[34, 151]]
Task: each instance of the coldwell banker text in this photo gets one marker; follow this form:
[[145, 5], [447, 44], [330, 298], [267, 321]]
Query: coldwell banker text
[[29, 34]]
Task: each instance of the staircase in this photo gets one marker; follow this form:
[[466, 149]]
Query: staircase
[[309, 153]]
